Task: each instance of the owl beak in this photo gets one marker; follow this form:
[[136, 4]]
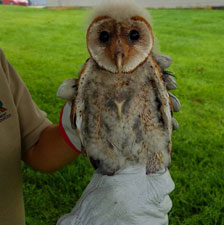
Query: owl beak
[[119, 61]]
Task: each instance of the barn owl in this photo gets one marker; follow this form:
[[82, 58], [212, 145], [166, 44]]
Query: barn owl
[[121, 106]]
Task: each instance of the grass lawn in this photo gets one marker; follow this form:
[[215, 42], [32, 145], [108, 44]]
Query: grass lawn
[[48, 46]]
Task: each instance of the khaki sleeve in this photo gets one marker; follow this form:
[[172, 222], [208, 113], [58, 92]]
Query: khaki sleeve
[[31, 119]]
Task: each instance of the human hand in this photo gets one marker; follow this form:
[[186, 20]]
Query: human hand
[[128, 197], [164, 62], [67, 90]]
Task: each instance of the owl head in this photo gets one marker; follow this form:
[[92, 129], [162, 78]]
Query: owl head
[[119, 37]]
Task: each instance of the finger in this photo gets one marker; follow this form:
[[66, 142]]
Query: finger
[[163, 61], [175, 102], [171, 84], [175, 124], [67, 89]]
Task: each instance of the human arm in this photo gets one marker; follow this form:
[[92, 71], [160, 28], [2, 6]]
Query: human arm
[[51, 152], [42, 145], [58, 146]]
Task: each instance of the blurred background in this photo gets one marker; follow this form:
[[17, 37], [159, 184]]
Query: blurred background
[[145, 3], [45, 42]]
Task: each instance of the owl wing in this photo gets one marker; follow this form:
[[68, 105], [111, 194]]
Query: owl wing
[[166, 108], [69, 90], [78, 117]]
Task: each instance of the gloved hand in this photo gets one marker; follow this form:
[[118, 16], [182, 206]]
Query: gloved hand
[[70, 134], [130, 197], [164, 62]]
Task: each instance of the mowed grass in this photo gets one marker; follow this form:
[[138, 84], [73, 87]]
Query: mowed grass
[[48, 46]]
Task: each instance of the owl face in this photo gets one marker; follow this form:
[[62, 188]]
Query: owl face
[[119, 45]]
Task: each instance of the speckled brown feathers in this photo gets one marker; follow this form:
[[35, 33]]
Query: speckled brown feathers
[[123, 110], [121, 118]]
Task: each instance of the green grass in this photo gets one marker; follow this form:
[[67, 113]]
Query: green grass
[[47, 47]]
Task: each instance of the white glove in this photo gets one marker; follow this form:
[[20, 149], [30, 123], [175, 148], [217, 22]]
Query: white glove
[[164, 62], [130, 197], [70, 135]]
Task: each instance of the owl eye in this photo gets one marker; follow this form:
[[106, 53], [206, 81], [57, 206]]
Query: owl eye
[[134, 35], [104, 36]]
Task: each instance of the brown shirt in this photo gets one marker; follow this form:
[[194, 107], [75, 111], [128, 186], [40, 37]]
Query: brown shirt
[[21, 123]]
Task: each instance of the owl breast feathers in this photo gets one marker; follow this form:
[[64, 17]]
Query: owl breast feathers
[[122, 107]]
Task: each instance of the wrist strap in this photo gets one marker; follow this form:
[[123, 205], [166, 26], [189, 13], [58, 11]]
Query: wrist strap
[[68, 133]]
